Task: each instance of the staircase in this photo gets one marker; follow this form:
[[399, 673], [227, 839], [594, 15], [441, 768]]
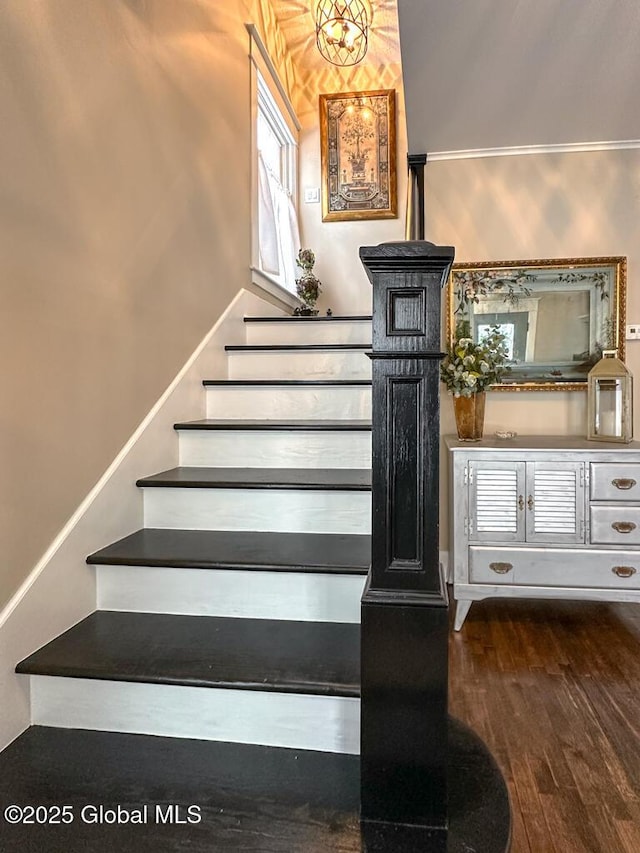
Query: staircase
[[232, 617]]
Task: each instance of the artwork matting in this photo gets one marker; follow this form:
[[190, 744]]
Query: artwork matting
[[358, 151]]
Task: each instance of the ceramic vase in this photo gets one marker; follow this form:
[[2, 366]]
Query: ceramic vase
[[469, 412]]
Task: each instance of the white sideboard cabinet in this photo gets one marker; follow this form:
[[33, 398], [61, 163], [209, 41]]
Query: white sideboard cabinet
[[543, 517]]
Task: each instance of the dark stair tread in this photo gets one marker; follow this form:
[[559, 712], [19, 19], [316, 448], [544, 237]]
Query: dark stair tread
[[308, 425], [252, 798], [206, 651], [296, 319], [338, 553], [296, 347], [334, 479], [266, 383]]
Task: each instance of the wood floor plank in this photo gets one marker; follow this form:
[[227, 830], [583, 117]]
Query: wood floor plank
[[553, 688], [530, 805]]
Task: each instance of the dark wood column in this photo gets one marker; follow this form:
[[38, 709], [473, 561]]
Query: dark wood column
[[415, 213], [404, 607]]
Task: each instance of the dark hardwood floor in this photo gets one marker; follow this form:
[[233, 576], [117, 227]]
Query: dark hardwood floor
[[554, 690]]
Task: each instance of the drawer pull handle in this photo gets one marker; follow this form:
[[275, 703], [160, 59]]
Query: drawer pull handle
[[501, 568], [623, 571], [623, 483], [623, 526]]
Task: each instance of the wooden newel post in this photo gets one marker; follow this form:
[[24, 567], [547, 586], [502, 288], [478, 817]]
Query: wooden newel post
[[415, 201], [404, 607]]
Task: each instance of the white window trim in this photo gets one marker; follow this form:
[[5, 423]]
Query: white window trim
[[267, 283], [261, 61]]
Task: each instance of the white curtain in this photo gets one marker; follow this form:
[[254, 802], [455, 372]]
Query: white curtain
[[277, 228]]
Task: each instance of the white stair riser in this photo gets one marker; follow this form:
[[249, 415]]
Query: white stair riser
[[275, 448], [304, 364], [296, 596], [306, 332], [297, 721], [295, 402], [280, 510]]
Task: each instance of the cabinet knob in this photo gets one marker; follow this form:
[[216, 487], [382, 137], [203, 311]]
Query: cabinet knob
[[623, 571], [623, 483], [520, 502], [501, 568], [530, 502], [623, 526]]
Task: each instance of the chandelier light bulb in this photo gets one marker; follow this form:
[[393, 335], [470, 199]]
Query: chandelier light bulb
[[342, 31]]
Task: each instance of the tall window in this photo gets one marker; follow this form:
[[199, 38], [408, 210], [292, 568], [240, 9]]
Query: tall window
[[278, 235]]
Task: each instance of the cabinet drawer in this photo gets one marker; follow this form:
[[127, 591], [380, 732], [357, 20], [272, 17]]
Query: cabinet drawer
[[615, 525], [615, 481], [554, 567]]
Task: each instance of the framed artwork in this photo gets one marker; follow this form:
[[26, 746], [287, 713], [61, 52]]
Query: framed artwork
[[358, 150]]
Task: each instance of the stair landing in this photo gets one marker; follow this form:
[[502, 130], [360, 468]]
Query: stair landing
[[248, 798]]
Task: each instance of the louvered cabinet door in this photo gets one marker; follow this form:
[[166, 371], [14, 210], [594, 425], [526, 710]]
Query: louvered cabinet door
[[496, 501], [555, 502]]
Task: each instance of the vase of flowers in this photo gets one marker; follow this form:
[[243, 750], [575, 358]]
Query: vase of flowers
[[308, 286], [467, 369]]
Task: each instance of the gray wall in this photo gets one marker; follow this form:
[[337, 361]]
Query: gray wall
[[495, 73]]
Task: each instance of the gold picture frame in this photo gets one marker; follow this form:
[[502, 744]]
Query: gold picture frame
[[358, 152], [560, 314]]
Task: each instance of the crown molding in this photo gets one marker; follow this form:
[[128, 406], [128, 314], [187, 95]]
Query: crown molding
[[520, 150]]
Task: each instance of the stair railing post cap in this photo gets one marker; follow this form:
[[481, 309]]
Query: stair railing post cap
[[409, 254]]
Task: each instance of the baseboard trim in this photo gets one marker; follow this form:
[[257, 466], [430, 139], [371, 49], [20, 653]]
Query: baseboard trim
[[447, 569]]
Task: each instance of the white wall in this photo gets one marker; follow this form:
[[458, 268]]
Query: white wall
[[125, 217], [346, 288], [538, 206]]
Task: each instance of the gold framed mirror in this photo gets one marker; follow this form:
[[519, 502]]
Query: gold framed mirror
[[557, 315]]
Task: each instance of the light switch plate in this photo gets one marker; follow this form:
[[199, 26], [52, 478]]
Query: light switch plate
[[633, 332], [311, 195]]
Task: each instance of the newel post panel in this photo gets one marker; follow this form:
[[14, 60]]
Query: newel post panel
[[404, 606]]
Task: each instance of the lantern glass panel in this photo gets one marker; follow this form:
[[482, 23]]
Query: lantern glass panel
[[608, 407]]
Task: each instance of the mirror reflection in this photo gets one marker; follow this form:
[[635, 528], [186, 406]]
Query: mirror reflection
[[557, 315]]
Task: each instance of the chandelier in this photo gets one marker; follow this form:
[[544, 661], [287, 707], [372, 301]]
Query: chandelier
[[342, 31]]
